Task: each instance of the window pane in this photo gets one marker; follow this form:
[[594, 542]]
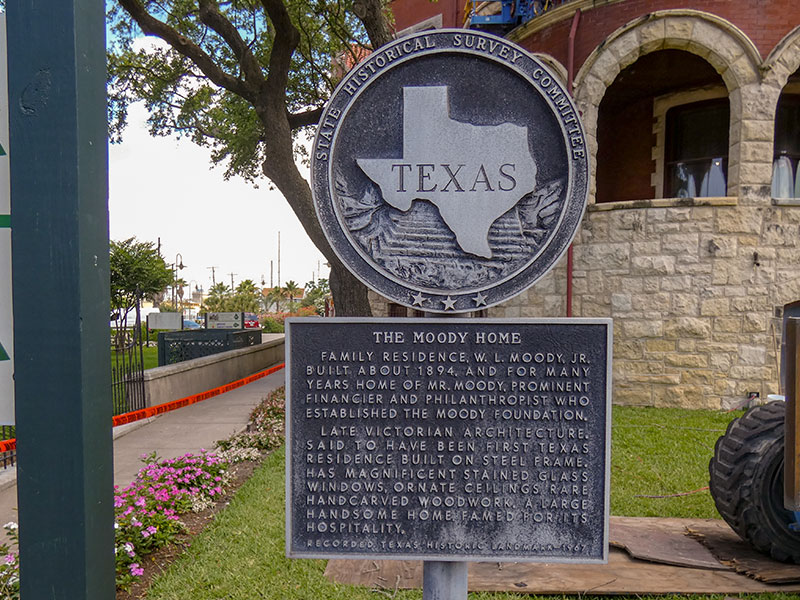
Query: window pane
[[698, 130], [787, 126], [786, 163], [696, 152]]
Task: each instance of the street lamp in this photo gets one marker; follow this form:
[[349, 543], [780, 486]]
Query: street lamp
[[177, 265]]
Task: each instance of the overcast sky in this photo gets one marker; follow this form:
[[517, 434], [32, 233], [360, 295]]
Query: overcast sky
[[164, 187]]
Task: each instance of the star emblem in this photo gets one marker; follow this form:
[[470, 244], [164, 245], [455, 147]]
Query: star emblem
[[449, 303], [480, 300], [418, 298]]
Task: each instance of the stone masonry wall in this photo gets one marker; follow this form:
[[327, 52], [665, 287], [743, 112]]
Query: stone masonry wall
[[695, 286]]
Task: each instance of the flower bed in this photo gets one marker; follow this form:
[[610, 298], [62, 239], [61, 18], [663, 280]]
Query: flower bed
[[148, 511]]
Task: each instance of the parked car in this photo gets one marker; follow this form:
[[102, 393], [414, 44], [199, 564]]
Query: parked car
[[189, 324], [251, 321]]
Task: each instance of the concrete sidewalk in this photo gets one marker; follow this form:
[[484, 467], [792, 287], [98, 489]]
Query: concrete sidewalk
[[187, 429]]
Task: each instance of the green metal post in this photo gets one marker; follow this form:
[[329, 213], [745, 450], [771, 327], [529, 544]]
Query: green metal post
[[58, 152]]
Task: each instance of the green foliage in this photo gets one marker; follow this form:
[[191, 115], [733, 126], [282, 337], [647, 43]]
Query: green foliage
[[183, 100], [274, 300], [316, 295], [264, 431], [9, 563], [217, 296], [245, 298], [291, 291], [270, 324], [137, 272]]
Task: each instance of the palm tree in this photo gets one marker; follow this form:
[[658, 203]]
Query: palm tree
[[246, 298], [290, 291], [179, 284], [274, 297], [218, 296]]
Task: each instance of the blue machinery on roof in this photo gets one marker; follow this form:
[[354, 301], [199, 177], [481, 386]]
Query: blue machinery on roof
[[484, 15]]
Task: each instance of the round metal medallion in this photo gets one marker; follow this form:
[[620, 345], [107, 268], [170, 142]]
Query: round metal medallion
[[450, 170]]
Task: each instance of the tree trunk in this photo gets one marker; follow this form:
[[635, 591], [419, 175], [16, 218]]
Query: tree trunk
[[350, 296], [373, 15]]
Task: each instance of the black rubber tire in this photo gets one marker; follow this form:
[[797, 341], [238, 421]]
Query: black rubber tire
[[746, 481]]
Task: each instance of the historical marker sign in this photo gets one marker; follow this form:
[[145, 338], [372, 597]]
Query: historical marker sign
[[450, 170], [448, 439]]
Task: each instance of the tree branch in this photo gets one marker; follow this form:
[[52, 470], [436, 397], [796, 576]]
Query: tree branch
[[373, 16], [286, 40], [152, 26], [211, 16], [306, 118]]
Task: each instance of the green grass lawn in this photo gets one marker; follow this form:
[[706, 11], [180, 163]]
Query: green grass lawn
[[663, 452], [240, 556], [149, 354]]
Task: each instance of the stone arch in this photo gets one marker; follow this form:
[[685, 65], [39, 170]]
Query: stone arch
[[554, 65], [784, 59], [724, 46]]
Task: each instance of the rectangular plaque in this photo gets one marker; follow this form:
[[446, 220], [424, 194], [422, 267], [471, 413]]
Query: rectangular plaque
[[448, 439], [225, 320]]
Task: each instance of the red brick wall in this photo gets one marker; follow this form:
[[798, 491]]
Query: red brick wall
[[765, 23], [410, 12], [624, 144]]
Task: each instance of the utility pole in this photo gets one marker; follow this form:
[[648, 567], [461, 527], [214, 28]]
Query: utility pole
[[213, 279], [279, 259], [232, 274], [271, 265]]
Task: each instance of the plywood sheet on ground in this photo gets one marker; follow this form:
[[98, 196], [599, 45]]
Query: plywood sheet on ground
[[622, 575], [730, 549], [663, 541]]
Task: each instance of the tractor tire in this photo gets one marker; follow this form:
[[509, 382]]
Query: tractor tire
[[746, 481]]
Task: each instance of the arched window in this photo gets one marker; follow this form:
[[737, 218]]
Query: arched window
[[650, 104]]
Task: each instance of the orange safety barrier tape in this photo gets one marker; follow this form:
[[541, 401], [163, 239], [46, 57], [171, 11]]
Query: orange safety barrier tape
[[152, 411]]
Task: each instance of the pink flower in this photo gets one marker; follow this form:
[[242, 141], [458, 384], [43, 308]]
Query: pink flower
[[10, 559], [136, 570]]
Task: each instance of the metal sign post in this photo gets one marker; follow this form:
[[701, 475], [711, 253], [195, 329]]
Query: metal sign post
[[791, 473], [444, 580], [57, 77], [6, 313]]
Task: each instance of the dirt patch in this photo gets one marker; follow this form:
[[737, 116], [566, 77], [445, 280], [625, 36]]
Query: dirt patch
[[155, 563]]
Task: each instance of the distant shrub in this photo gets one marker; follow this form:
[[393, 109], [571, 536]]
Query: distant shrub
[[271, 324]]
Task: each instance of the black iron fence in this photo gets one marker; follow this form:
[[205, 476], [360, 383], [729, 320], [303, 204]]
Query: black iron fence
[[127, 380], [127, 367], [177, 346], [8, 458]]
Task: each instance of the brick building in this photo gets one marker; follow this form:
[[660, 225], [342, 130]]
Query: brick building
[[691, 240]]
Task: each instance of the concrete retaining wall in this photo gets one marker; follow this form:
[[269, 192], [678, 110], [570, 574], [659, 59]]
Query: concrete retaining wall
[[171, 382]]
